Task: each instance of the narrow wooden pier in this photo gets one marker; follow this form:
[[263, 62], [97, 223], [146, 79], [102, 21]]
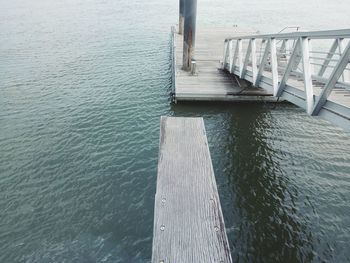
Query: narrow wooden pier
[[210, 82], [188, 221]]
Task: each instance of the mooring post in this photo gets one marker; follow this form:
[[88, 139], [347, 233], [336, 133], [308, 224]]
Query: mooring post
[[190, 14], [181, 16]]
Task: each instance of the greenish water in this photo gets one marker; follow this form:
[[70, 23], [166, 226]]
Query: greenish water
[[82, 86]]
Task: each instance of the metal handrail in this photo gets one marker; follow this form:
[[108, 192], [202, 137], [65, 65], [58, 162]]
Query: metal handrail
[[270, 60], [328, 34], [289, 27]]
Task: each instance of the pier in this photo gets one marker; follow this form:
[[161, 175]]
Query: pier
[[208, 82], [308, 69], [188, 221]]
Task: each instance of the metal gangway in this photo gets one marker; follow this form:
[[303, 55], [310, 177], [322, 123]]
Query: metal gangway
[[308, 69]]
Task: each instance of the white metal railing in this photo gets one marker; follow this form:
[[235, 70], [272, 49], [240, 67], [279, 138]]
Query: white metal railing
[[310, 69]]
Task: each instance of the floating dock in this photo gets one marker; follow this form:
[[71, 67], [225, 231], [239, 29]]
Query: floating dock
[[210, 82], [188, 221], [308, 69]]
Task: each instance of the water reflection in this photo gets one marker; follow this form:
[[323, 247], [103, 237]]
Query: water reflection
[[268, 226], [258, 199]]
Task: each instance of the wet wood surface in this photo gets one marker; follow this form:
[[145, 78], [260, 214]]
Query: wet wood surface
[[188, 220], [210, 82]]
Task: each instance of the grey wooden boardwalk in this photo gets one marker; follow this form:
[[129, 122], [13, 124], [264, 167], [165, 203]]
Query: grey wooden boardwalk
[[210, 82], [188, 221]]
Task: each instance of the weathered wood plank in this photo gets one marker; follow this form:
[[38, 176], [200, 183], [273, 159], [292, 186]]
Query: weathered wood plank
[[210, 80], [188, 221]]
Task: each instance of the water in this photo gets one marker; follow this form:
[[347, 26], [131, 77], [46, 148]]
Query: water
[[82, 86]]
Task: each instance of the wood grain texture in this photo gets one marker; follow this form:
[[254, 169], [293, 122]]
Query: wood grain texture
[[210, 83], [188, 220]]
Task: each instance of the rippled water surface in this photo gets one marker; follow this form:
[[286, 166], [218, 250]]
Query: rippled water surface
[[82, 86]]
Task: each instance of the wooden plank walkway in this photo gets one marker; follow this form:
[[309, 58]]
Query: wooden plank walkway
[[188, 221], [210, 82]]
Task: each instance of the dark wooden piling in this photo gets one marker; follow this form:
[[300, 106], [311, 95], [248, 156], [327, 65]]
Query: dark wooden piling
[[181, 16], [190, 12]]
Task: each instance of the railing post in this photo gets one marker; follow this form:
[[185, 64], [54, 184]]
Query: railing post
[[189, 33], [254, 66], [240, 56], [342, 46], [225, 54], [230, 52], [312, 67], [288, 49], [309, 93], [283, 47], [181, 16], [281, 51], [246, 60], [274, 65], [233, 65]]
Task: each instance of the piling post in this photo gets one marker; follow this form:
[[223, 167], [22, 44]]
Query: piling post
[[190, 14], [181, 16]]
